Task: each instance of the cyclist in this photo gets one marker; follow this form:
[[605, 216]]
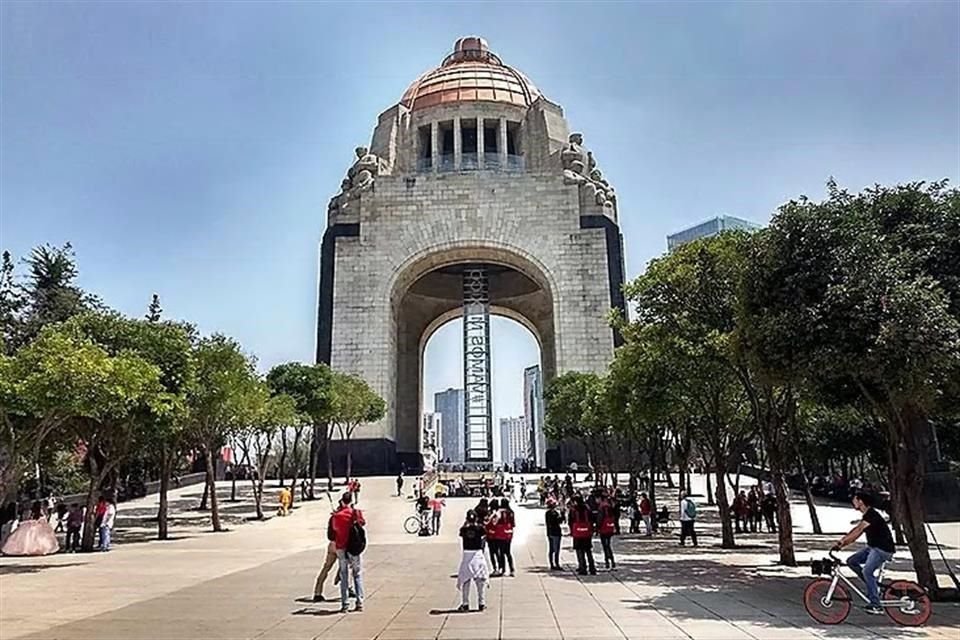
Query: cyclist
[[880, 547]]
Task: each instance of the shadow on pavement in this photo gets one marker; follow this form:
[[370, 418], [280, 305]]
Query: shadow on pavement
[[14, 569]]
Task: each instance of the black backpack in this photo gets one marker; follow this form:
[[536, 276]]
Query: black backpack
[[357, 542]]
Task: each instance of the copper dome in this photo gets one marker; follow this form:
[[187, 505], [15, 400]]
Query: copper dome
[[472, 73]]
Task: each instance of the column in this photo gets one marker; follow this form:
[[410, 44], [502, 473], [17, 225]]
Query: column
[[503, 144], [480, 142], [435, 145], [457, 144]]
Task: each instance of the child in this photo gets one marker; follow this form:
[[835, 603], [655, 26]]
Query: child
[[473, 564]]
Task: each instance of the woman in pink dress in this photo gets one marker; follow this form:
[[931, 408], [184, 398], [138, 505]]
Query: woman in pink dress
[[33, 537]]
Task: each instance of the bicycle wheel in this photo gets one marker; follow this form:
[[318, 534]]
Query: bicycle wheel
[[914, 608], [411, 524], [815, 602]]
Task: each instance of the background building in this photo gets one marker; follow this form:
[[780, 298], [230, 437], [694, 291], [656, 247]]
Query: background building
[[449, 404], [514, 440], [709, 228], [533, 413], [431, 446]]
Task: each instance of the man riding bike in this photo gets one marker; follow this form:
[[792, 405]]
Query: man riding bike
[[880, 547]]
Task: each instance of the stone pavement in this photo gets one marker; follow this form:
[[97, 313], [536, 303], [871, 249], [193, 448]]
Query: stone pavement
[[255, 582]]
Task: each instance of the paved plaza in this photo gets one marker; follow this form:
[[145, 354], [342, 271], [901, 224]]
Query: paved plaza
[[255, 582]]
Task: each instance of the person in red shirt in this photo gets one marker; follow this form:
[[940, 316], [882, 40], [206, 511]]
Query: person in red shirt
[[646, 511], [607, 527], [581, 530], [341, 521], [493, 538], [505, 524]]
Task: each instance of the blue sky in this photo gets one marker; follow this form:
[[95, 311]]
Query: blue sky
[[190, 149]]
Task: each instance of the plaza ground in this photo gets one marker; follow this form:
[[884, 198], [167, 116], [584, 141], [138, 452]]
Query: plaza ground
[[255, 581]]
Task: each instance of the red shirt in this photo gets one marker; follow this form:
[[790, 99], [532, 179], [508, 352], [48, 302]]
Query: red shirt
[[504, 527], [342, 520], [645, 507], [491, 528]]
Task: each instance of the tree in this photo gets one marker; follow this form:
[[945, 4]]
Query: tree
[[353, 403], [218, 404], [269, 415], [12, 302], [569, 401], [863, 292], [310, 386], [154, 310]]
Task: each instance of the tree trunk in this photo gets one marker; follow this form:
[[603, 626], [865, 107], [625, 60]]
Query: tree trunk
[[909, 432], [206, 491], [86, 541], [784, 519], [711, 500], [233, 484], [314, 454], [727, 540], [349, 459], [652, 487], [282, 473], [212, 490], [296, 465], [808, 497], [329, 467], [165, 465]]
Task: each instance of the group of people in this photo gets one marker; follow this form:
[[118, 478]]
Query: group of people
[[754, 509], [29, 532], [488, 526], [346, 542]]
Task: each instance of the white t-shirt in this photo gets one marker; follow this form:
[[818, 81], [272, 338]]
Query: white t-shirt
[[109, 516], [683, 510]]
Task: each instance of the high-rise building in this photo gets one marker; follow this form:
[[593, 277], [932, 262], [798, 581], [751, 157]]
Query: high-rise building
[[533, 413], [709, 228], [514, 440], [449, 404], [431, 447]]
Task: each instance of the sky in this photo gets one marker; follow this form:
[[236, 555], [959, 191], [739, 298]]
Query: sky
[[190, 149]]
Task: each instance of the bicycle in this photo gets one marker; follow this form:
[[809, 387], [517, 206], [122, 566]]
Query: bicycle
[[829, 602], [413, 524]]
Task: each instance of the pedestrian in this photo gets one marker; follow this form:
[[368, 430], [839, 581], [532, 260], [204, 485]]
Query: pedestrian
[[423, 510], [284, 500], [106, 524], [328, 562], [741, 511], [581, 530], [606, 527], [304, 493], [353, 486], [688, 517], [646, 511], [473, 564], [553, 518], [493, 541], [400, 484], [343, 522], [482, 510], [61, 510], [436, 506], [754, 515], [769, 508], [505, 525], [74, 525]]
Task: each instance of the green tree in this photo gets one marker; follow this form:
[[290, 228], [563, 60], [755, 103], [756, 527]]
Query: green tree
[[12, 303], [863, 292], [570, 402], [353, 403], [154, 310], [310, 386], [218, 404], [268, 416]]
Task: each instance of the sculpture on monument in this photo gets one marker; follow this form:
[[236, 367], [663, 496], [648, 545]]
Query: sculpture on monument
[[580, 168], [360, 177]]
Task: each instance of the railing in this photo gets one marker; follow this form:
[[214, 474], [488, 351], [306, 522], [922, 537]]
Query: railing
[[471, 162]]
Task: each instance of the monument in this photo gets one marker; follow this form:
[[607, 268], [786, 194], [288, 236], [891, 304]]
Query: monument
[[473, 199]]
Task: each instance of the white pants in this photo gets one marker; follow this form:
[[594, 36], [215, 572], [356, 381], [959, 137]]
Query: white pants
[[646, 523], [481, 592]]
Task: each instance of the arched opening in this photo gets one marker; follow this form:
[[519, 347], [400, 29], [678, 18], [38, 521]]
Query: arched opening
[[427, 293], [516, 371]]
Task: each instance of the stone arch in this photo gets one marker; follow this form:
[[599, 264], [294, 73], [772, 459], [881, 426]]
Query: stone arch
[[423, 297]]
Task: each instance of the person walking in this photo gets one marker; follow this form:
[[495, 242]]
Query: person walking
[[606, 527], [74, 526], [553, 518], [581, 530], [505, 526], [754, 515], [436, 507], [106, 524], [400, 484], [328, 562], [769, 507], [342, 523], [646, 511], [880, 547], [688, 518], [740, 511], [473, 564]]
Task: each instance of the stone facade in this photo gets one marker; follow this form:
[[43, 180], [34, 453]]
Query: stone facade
[[402, 214]]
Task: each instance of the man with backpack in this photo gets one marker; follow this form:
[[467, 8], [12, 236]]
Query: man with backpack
[[688, 516], [350, 540]]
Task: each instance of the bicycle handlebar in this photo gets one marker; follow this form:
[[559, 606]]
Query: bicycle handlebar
[[833, 556]]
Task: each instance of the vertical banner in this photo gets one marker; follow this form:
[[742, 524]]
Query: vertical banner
[[477, 405]]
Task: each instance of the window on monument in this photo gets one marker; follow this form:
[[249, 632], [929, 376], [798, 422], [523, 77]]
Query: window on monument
[[468, 147], [445, 131], [425, 149], [491, 147], [514, 159]]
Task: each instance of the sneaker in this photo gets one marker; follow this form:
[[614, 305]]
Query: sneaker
[[352, 593], [358, 606], [482, 607], [463, 608], [874, 609], [319, 599], [513, 573], [344, 609]]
